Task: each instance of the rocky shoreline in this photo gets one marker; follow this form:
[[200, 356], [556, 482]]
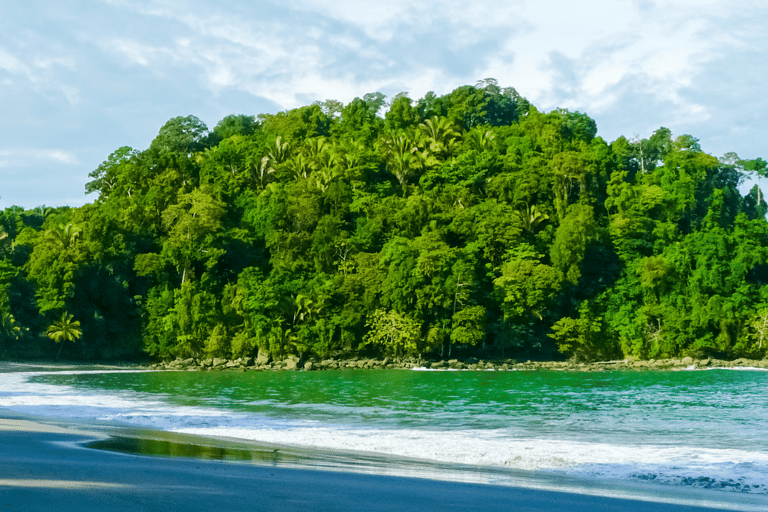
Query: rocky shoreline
[[294, 363]]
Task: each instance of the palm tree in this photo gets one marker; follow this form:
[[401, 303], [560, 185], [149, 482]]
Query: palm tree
[[280, 152], [480, 139], [65, 236], [401, 156], [63, 329], [299, 167], [530, 218], [3, 239], [440, 136], [10, 328], [314, 148], [261, 170]]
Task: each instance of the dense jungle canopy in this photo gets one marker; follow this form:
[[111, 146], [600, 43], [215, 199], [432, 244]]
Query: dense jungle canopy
[[451, 224]]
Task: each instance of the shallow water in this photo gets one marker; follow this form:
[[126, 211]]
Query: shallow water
[[703, 429]]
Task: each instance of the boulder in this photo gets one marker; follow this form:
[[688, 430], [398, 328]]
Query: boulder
[[291, 363], [263, 357]]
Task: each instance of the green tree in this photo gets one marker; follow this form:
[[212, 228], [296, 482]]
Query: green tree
[[184, 135], [573, 235], [394, 332], [64, 329], [191, 223]]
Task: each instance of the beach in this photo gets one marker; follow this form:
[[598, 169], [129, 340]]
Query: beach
[[45, 468], [53, 464]]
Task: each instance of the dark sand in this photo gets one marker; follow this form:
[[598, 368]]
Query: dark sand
[[45, 465]]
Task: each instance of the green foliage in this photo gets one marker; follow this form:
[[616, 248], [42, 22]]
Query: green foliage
[[181, 135], [10, 329], [571, 238], [64, 329], [584, 337], [468, 221], [394, 332]]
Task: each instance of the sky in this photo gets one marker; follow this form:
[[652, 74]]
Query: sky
[[81, 78]]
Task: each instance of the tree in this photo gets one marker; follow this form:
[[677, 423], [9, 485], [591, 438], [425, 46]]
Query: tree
[[107, 174], [401, 114], [184, 135], [571, 239], [3, 240], [236, 125], [190, 222], [401, 155], [10, 330], [439, 136], [395, 332], [759, 169], [64, 329]]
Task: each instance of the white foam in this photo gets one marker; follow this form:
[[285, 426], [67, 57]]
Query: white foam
[[739, 368], [662, 464]]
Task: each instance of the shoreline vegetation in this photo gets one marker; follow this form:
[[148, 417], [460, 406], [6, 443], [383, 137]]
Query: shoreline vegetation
[[469, 224]]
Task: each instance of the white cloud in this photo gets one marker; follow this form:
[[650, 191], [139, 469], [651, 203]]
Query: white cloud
[[86, 78], [21, 158]]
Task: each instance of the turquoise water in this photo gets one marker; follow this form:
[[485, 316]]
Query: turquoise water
[[692, 428], [724, 409]]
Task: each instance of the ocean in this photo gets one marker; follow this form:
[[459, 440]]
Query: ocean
[[703, 429]]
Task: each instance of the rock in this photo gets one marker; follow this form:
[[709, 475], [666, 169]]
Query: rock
[[218, 361], [263, 357], [247, 361], [309, 366], [687, 361], [291, 363]]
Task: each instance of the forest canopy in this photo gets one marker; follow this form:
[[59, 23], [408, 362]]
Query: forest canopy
[[451, 224]]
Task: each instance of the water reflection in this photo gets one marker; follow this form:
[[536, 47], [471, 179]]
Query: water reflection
[[165, 448]]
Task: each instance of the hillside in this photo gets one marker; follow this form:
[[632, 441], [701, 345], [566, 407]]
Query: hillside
[[467, 222]]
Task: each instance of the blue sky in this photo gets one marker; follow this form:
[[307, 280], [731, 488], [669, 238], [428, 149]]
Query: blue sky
[[81, 78]]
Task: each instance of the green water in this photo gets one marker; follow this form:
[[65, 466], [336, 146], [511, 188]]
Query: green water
[[724, 409]]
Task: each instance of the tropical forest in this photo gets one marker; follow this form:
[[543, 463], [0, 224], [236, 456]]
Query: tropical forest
[[468, 223]]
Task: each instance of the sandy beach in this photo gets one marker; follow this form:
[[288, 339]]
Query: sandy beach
[[48, 465], [45, 468]]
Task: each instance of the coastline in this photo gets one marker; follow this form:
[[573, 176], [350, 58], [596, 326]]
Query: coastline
[[293, 363], [430, 483], [49, 464]]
